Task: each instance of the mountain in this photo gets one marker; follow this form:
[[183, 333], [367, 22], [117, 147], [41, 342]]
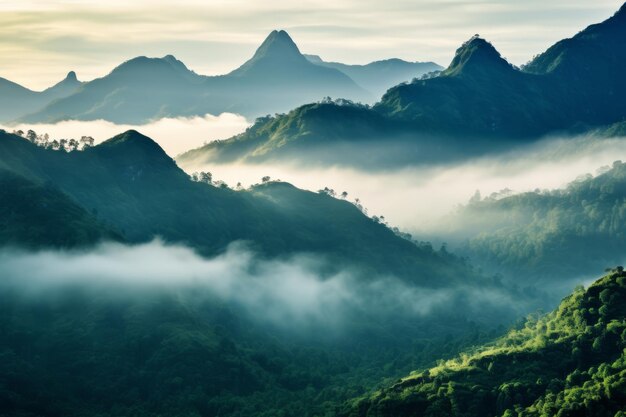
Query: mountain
[[16, 100], [134, 187], [143, 89], [571, 362], [479, 104], [377, 77]]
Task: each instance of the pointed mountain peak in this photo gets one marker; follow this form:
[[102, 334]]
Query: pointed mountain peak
[[277, 44], [476, 56], [71, 77], [278, 52], [65, 87]]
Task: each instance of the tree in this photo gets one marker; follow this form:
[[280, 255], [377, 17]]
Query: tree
[[87, 142], [265, 179], [31, 135], [206, 177]]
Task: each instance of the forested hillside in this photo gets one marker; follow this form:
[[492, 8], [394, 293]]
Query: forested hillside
[[571, 362], [544, 236]]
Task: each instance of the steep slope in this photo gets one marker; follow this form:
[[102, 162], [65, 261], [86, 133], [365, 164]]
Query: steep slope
[[134, 186], [280, 71], [15, 100], [377, 77], [36, 216], [478, 94], [544, 236], [594, 61], [571, 362], [277, 78]]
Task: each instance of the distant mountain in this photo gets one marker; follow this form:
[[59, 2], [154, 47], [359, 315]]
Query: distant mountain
[[16, 100], [277, 78], [571, 362], [377, 77], [137, 90], [479, 104]]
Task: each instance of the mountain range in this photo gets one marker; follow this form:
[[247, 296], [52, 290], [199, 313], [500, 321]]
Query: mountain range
[[277, 78], [479, 104]]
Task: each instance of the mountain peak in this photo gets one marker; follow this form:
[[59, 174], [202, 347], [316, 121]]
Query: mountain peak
[[71, 77], [475, 57], [277, 44], [277, 52], [133, 139]]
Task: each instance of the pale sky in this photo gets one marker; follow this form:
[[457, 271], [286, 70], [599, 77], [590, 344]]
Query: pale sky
[[40, 40]]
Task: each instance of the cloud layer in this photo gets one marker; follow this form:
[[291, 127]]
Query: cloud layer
[[417, 198], [288, 292]]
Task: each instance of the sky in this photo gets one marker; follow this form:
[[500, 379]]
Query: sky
[[41, 40]]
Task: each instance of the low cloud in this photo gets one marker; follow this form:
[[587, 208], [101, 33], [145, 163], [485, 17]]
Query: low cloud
[[289, 292], [417, 198], [174, 135]]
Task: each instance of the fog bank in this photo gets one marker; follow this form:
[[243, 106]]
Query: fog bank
[[417, 198], [282, 292]]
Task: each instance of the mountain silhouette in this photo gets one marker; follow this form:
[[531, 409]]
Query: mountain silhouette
[[278, 77]]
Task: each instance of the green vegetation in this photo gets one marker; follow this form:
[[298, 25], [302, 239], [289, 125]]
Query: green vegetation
[[111, 351], [95, 348], [537, 236], [136, 188], [571, 362], [36, 216]]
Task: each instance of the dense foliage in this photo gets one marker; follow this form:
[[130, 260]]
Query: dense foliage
[[96, 348], [571, 362], [35, 216]]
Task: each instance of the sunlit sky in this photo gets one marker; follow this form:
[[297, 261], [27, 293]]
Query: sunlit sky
[[40, 41]]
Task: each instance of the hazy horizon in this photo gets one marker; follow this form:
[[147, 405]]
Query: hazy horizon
[[54, 37]]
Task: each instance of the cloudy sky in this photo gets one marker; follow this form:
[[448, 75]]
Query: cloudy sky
[[41, 40]]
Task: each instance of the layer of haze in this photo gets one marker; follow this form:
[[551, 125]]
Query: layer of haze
[[282, 292], [175, 135], [41, 40], [416, 198]]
